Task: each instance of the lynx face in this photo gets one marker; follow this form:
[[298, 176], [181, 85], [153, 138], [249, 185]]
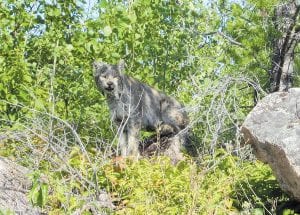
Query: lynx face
[[107, 77]]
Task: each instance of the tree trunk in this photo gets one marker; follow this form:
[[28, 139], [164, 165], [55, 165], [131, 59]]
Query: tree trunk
[[285, 20]]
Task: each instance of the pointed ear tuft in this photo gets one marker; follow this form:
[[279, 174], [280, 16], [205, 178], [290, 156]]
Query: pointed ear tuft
[[97, 65], [121, 65], [98, 68]]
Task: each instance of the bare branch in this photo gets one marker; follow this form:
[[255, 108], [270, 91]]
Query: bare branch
[[231, 40]]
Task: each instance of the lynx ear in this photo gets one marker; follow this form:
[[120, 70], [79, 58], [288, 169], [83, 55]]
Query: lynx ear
[[97, 65], [121, 65]]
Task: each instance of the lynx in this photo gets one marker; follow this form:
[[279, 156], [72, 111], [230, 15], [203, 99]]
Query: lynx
[[135, 106]]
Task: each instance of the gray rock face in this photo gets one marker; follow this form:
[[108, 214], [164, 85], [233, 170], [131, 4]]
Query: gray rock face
[[14, 186], [273, 130]]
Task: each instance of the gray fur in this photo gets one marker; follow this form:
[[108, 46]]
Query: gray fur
[[135, 106]]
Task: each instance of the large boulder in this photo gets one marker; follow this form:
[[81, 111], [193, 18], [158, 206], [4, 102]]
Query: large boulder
[[273, 130], [14, 186]]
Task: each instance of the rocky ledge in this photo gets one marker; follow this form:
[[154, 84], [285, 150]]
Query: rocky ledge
[[273, 130]]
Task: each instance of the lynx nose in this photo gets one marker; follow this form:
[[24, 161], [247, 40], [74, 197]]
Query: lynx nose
[[110, 86]]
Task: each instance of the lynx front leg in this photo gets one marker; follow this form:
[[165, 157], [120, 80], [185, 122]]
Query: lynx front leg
[[123, 143], [133, 140]]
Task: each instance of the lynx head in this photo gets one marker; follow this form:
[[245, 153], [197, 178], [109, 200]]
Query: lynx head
[[108, 77]]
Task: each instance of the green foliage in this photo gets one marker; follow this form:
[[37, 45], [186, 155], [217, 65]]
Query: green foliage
[[46, 55], [39, 191], [221, 185], [210, 55], [6, 212], [70, 181]]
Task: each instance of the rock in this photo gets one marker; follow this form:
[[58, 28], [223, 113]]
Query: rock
[[14, 186], [105, 201], [101, 205], [273, 130]]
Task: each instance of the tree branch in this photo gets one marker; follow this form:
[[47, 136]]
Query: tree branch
[[230, 39]]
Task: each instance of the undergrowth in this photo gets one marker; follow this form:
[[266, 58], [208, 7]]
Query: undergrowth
[[219, 184], [73, 174]]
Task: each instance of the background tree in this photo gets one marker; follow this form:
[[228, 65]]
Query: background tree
[[286, 22]]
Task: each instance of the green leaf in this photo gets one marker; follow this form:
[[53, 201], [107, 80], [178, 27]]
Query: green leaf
[[288, 212], [27, 78], [107, 31], [43, 194], [39, 191], [132, 17], [103, 3], [258, 211]]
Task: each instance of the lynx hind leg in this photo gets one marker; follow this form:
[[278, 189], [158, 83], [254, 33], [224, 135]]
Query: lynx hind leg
[[164, 129], [172, 114]]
